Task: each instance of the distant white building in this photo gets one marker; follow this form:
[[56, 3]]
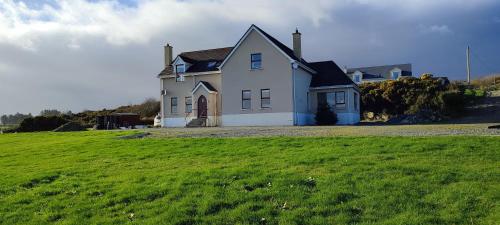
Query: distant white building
[[379, 73]]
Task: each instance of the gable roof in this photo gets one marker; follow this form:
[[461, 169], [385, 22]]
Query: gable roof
[[288, 51], [377, 72], [206, 85], [201, 61], [280, 46], [328, 74]]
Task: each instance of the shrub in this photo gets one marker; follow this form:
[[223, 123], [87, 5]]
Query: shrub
[[325, 115], [411, 96], [41, 123], [453, 102]]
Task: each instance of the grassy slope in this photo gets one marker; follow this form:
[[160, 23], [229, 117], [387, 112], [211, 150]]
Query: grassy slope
[[91, 177]]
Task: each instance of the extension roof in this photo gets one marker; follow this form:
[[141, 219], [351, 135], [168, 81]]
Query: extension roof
[[329, 74]]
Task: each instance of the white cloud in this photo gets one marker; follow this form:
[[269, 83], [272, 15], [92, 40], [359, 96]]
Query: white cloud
[[440, 29], [120, 25]]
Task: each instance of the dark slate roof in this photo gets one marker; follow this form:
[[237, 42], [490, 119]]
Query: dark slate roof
[[282, 46], [328, 74], [201, 61], [207, 84], [375, 72]]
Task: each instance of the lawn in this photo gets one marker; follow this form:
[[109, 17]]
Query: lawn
[[94, 178]]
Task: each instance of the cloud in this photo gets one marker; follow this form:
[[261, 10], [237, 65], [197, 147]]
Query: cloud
[[440, 29], [122, 24], [92, 54]]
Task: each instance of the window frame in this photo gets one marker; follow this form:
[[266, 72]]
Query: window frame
[[398, 74], [243, 99], [336, 98], [186, 104], [172, 111], [179, 76], [252, 61], [357, 78], [262, 98]]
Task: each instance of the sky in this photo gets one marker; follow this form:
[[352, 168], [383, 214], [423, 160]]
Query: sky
[[93, 54]]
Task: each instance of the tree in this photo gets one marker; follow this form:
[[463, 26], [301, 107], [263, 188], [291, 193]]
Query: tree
[[50, 112]]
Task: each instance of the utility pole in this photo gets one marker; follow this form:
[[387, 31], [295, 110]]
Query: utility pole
[[468, 64]]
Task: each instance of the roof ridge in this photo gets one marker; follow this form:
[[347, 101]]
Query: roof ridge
[[322, 61], [204, 50], [366, 67]]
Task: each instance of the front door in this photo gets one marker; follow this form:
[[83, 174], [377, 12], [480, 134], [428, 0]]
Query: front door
[[202, 107]]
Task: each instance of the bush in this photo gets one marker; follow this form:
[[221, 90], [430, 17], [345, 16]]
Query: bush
[[325, 115], [410, 96], [41, 123]]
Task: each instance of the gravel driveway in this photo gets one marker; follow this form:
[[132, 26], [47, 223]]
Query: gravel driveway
[[361, 130]]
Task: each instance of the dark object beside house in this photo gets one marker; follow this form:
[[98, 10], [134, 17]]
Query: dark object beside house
[[325, 115], [40, 123], [70, 126], [494, 127], [117, 120]]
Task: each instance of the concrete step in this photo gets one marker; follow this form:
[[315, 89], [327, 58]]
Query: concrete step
[[198, 122]]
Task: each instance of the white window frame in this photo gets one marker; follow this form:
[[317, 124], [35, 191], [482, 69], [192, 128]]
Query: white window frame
[[397, 73], [266, 98], [172, 111], [186, 104], [246, 99], [252, 61], [357, 78], [179, 76]]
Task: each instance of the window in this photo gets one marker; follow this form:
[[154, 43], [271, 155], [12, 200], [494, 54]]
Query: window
[[173, 105], [211, 64], [256, 61], [179, 72], [325, 98], [189, 105], [357, 78], [265, 98], [339, 97], [356, 101], [246, 98], [395, 75], [180, 68]]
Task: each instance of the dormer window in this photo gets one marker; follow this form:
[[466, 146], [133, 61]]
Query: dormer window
[[179, 72], [181, 68], [395, 75], [357, 78], [256, 61]]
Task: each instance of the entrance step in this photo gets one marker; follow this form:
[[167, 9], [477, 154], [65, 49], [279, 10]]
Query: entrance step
[[198, 122]]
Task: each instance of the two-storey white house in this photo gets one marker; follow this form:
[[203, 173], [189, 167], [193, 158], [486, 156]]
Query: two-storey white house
[[258, 82]]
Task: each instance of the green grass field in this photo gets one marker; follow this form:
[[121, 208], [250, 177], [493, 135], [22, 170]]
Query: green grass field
[[95, 178]]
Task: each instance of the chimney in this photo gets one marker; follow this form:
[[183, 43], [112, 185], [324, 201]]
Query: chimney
[[297, 45], [168, 55], [344, 69]]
